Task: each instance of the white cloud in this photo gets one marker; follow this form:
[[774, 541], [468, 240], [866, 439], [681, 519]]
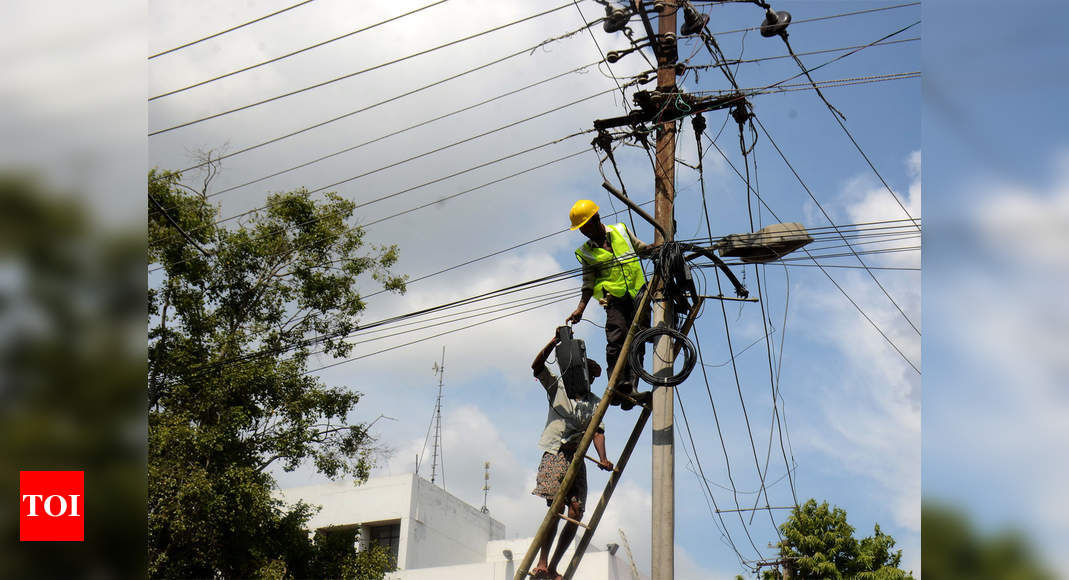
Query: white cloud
[[1010, 320], [870, 422]]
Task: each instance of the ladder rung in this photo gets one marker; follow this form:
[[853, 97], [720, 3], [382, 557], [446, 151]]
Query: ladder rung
[[632, 399], [596, 462], [576, 522]]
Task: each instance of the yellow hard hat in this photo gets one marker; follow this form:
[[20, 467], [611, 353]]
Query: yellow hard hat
[[582, 211]]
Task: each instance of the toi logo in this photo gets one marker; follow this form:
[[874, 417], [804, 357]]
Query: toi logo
[[51, 506]]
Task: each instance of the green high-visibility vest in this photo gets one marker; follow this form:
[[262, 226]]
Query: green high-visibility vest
[[617, 276]]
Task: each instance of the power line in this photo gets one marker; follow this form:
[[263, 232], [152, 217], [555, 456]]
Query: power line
[[825, 272], [819, 18], [231, 29], [836, 114], [723, 524], [356, 358], [828, 217], [467, 140], [399, 131], [353, 74], [451, 196], [798, 87], [296, 52], [176, 226], [392, 99], [305, 342], [808, 53]]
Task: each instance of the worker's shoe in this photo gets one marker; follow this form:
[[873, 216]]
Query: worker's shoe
[[628, 396]]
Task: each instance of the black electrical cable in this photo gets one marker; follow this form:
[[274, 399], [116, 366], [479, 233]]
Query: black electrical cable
[[231, 29], [296, 52], [819, 265], [353, 74], [399, 131], [638, 347], [392, 99]]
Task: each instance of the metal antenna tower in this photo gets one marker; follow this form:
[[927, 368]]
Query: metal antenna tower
[[436, 450], [486, 486]]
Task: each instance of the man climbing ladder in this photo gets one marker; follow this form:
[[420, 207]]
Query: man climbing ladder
[[613, 275], [570, 412]]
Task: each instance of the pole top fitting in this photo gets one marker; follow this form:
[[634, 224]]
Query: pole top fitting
[[775, 23]]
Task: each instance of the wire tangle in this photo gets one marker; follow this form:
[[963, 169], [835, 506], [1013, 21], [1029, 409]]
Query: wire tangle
[[690, 357]]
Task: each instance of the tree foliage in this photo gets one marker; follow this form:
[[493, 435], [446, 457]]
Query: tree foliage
[[234, 313], [72, 373], [955, 550], [819, 543]]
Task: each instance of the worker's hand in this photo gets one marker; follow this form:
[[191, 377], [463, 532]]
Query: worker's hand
[[605, 465], [575, 317]]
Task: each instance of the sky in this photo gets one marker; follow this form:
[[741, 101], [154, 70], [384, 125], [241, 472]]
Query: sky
[[985, 432], [848, 404]]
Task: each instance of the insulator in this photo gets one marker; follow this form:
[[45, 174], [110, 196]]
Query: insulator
[[693, 22], [668, 45], [775, 23], [616, 19], [740, 113]]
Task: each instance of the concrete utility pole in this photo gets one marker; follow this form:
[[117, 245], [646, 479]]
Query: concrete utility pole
[[664, 517]]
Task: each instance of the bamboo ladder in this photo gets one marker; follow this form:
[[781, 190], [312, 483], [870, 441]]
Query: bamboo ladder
[[522, 572]]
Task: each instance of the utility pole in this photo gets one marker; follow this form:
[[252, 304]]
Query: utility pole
[[664, 517]]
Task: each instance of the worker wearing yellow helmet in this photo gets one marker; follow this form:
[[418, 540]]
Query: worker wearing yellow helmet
[[613, 275]]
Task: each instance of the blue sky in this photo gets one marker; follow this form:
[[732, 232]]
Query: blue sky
[[994, 272], [989, 120], [850, 404]]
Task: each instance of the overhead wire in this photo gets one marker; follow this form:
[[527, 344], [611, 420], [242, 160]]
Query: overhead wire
[[825, 272], [773, 380], [404, 130], [174, 223], [427, 153], [820, 18], [830, 221], [840, 118], [353, 74], [451, 196], [511, 289], [296, 52], [793, 88], [305, 342], [807, 53], [426, 338], [466, 140], [703, 479], [699, 128], [391, 99], [231, 29]]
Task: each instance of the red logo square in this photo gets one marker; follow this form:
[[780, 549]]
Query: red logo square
[[52, 506]]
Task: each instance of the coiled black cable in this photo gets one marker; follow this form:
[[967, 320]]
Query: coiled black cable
[[638, 346]]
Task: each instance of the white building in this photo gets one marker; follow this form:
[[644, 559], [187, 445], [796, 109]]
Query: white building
[[433, 534]]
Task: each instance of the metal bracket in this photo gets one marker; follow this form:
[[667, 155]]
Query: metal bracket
[[634, 206]]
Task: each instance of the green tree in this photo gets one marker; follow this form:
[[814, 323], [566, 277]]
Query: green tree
[[954, 550], [819, 543], [234, 313], [72, 376]]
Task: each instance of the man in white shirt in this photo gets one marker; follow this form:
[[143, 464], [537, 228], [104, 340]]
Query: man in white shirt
[[568, 417]]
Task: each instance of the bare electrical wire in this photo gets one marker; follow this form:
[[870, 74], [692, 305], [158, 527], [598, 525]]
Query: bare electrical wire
[[359, 72], [296, 52], [231, 29]]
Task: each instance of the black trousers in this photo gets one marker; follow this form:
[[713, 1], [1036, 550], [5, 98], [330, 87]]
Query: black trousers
[[619, 313]]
